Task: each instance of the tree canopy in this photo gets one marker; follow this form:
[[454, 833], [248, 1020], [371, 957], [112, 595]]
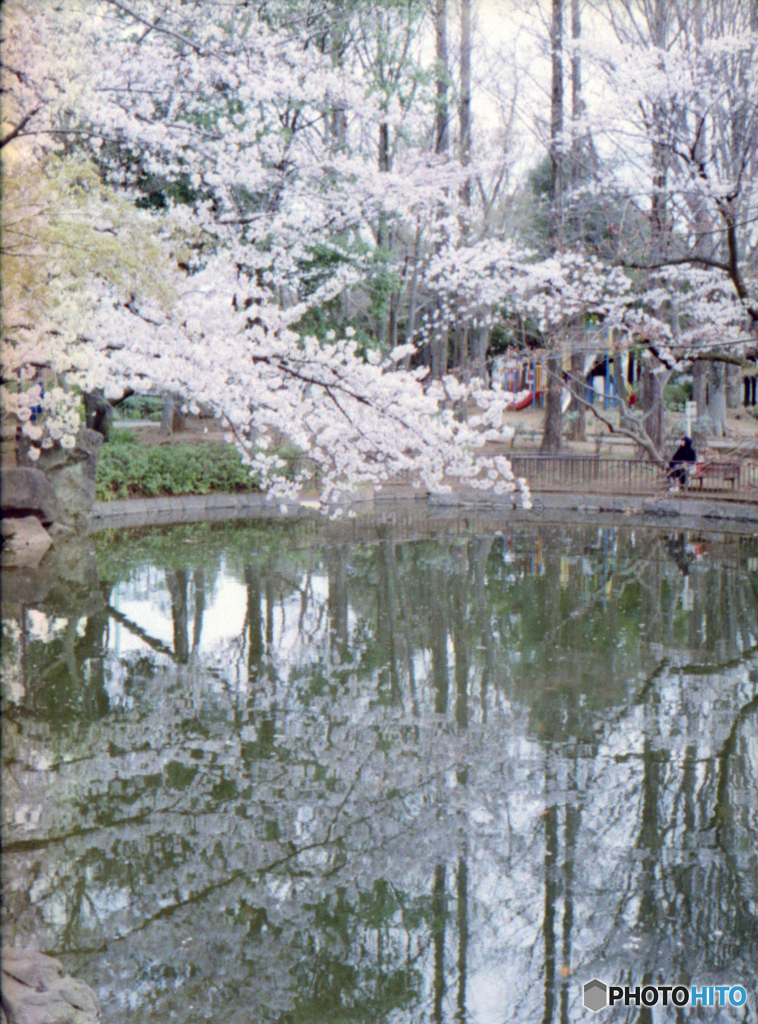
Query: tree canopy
[[252, 207]]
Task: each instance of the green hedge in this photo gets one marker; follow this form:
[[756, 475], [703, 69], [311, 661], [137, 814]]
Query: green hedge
[[127, 470]]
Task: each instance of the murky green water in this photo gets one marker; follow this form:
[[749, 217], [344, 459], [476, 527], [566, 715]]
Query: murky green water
[[255, 774]]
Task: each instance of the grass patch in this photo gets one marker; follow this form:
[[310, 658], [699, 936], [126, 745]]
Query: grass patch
[[122, 437], [128, 470]]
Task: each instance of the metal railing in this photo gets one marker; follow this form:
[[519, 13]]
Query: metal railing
[[579, 473]]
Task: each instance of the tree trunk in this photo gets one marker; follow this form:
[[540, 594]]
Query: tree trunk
[[410, 330], [733, 387], [699, 388], [556, 128], [717, 397], [659, 153], [552, 434], [98, 412], [652, 404], [383, 239], [338, 129], [439, 341], [461, 351], [464, 104], [577, 109], [384, 147], [577, 376], [443, 77], [462, 347], [622, 391], [480, 339], [699, 397], [439, 351]]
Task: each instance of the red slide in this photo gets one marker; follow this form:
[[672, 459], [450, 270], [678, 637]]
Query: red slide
[[523, 401]]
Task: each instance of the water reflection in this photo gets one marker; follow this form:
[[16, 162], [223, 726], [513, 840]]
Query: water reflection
[[254, 774]]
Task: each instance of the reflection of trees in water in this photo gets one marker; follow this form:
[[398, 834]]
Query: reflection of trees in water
[[66, 669], [481, 750]]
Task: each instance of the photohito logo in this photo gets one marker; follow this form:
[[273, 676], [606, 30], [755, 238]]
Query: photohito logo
[[598, 995]]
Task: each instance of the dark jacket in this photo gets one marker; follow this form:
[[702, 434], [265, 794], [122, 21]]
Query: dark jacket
[[684, 453], [677, 468]]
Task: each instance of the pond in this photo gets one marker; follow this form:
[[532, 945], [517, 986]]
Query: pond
[[268, 772]]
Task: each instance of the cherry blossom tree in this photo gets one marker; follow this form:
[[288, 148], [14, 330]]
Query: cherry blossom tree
[[215, 132], [240, 182], [61, 227]]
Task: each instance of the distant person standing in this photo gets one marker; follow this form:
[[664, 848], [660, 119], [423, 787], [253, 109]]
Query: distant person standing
[[677, 467]]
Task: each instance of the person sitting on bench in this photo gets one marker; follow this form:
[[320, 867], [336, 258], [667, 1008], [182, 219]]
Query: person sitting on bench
[[677, 469]]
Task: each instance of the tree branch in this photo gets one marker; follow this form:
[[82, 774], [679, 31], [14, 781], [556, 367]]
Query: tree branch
[[14, 132], [638, 435], [155, 26], [677, 261], [723, 357]]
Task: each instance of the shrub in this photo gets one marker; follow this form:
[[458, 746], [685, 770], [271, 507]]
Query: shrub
[[127, 470], [141, 407]]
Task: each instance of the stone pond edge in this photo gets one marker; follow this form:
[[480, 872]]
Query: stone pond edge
[[679, 511]]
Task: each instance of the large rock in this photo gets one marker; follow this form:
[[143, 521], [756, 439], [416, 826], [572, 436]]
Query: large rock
[[28, 492], [71, 473], [35, 991]]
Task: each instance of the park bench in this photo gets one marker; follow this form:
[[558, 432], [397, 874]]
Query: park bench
[[720, 470]]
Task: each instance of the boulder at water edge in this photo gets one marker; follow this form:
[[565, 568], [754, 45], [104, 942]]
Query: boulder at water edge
[[36, 991], [27, 492], [71, 473]]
